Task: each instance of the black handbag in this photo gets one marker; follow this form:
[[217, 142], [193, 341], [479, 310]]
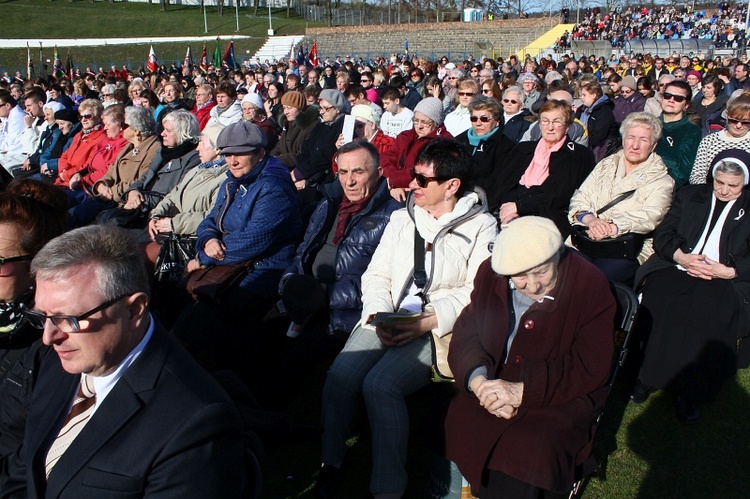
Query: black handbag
[[174, 255], [626, 246], [440, 371]]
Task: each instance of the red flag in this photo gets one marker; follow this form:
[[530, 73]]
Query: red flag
[[314, 55], [152, 64], [204, 59]]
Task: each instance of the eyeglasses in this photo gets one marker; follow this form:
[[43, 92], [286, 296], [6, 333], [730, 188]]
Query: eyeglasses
[[422, 122], [548, 122], [735, 121], [107, 95], [487, 91], [453, 78], [626, 91], [324, 109], [483, 119], [510, 101], [415, 75], [11, 259], [86, 116], [68, 324], [365, 80], [677, 98], [423, 180], [466, 94]]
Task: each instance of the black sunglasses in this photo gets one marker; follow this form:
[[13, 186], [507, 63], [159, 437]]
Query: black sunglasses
[[483, 119], [677, 98], [423, 180], [733, 121]]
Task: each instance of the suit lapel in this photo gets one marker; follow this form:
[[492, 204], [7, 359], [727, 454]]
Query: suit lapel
[[127, 398]]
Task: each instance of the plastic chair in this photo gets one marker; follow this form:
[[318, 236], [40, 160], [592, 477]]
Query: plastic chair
[[627, 311]]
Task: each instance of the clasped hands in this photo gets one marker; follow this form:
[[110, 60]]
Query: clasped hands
[[702, 267], [599, 229], [499, 397], [406, 333]]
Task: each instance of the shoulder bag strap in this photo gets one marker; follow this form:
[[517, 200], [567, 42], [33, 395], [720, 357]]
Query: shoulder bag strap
[[621, 197], [420, 274]]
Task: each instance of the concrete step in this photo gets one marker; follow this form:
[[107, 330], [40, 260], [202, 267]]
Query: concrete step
[[277, 47]]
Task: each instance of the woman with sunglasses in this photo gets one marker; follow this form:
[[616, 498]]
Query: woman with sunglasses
[[386, 364], [31, 213], [488, 146], [528, 82], [491, 89], [735, 136], [515, 118], [80, 152], [457, 121], [540, 177]]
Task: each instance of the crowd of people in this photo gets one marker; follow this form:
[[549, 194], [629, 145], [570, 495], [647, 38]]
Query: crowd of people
[[394, 222], [725, 26]]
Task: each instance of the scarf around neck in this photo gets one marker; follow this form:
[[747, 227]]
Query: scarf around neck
[[11, 313], [475, 139], [429, 226], [538, 170]]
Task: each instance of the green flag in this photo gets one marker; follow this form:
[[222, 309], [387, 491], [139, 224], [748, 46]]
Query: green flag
[[217, 55]]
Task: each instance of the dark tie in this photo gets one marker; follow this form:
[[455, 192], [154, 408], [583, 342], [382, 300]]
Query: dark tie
[[79, 415]]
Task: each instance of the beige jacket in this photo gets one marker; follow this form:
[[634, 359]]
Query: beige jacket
[[640, 213]]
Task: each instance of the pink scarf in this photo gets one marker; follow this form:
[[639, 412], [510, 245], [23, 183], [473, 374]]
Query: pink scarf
[[538, 170]]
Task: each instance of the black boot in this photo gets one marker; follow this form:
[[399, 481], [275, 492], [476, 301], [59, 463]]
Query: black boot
[[641, 392]]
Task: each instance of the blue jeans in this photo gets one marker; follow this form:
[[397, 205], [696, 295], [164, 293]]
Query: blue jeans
[[385, 376]]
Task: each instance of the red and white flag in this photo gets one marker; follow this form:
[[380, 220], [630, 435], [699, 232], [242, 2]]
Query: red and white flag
[[152, 64], [314, 55]]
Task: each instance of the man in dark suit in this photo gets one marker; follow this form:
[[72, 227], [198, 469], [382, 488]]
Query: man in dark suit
[[658, 70], [155, 424]]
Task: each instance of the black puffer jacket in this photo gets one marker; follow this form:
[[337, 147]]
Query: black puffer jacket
[[314, 162], [354, 251]]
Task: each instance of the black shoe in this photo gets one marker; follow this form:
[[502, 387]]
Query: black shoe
[[641, 393], [687, 412], [328, 482]]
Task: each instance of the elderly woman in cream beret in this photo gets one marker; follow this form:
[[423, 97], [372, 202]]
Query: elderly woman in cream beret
[[531, 354]]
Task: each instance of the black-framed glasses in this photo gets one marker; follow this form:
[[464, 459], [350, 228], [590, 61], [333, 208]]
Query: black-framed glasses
[[11, 259], [423, 180], [511, 101], [483, 119], [677, 98], [68, 324]]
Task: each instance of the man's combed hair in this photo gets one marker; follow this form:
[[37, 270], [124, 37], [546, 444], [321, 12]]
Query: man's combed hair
[[118, 262]]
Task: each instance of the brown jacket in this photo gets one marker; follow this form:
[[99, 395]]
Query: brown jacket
[[128, 168]]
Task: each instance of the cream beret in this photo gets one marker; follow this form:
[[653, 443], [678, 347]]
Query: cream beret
[[525, 243]]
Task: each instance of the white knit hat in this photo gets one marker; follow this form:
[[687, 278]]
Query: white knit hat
[[432, 108], [525, 243]]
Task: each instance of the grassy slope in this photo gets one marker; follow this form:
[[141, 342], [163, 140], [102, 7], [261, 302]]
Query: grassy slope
[[84, 19]]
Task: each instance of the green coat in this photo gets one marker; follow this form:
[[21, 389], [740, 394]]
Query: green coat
[[677, 147]]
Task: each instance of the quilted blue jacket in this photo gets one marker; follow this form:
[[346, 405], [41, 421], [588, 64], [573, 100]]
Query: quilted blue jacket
[[258, 218], [354, 251]]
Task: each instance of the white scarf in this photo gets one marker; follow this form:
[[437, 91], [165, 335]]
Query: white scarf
[[429, 226], [709, 243]]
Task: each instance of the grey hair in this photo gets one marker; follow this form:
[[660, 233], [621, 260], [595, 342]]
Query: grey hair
[[109, 88], [517, 89], [457, 73], [731, 167], [361, 145], [186, 127], [208, 88], [115, 256], [141, 120], [666, 78], [642, 119], [483, 103]]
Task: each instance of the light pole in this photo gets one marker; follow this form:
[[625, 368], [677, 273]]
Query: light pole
[[270, 26], [205, 20], [237, 13]]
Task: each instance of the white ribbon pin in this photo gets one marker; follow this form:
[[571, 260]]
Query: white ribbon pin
[[741, 214]]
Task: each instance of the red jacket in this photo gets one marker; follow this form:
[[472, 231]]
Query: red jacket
[[78, 155], [203, 114], [399, 159], [104, 155], [562, 353]]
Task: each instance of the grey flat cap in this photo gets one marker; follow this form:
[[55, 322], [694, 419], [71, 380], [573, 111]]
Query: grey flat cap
[[241, 138]]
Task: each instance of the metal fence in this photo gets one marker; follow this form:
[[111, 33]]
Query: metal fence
[[360, 17]]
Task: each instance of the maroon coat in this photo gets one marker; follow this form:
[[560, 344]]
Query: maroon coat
[[398, 161], [563, 355]]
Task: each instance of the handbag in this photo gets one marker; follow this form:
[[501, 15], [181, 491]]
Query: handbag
[[626, 246], [440, 371], [175, 253], [210, 283]]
